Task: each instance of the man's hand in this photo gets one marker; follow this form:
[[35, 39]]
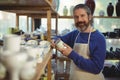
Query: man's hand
[[66, 50], [52, 43]]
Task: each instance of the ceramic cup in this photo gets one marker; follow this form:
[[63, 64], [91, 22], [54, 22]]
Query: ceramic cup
[[28, 71], [11, 42], [101, 13], [2, 71]]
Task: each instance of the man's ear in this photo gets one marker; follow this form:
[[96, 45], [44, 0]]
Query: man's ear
[[90, 17]]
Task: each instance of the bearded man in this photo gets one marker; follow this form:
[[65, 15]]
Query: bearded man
[[86, 47]]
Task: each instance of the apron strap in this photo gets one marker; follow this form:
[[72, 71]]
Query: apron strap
[[88, 36], [77, 37]]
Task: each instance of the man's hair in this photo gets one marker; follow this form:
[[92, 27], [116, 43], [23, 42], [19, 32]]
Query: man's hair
[[83, 6], [86, 8]]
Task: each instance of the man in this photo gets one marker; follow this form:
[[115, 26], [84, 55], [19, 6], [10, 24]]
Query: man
[[86, 47]]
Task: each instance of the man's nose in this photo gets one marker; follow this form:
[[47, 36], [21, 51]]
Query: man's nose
[[80, 18]]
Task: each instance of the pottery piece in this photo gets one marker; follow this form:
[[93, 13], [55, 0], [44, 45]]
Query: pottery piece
[[118, 8], [65, 11], [110, 9], [2, 71], [59, 43], [29, 70], [13, 62], [91, 4], [101, 13], [71, 10], [11, 42], [36, 53]]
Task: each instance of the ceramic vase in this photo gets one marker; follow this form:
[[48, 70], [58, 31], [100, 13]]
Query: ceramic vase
[[35, 53], [3, 71], [13, 62], [29, 70], [110, 9], [65, 11], [11, 42], [118, 8], [91, 5], [71, 10], [101, 13]]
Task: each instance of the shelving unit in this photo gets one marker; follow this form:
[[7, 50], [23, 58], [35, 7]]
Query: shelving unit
[[99, 17], [112, 60], [34, 9]]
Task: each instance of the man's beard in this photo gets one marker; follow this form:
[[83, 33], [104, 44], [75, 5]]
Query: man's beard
[[81, 26]]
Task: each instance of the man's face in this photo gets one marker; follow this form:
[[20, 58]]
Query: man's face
[[81, 18]]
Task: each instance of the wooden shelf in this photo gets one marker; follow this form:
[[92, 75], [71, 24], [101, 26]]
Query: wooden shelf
[[113, 59], [28, 7], [63, 58], [113, 38], [41, 66], [25, 4], [114, 17], [70, 17]]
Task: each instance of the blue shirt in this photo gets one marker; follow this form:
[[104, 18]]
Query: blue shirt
[[97, 47]]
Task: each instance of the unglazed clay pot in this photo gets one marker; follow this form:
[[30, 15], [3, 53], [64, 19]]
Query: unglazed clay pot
[[2, 71], [29, 70], [35, 53], [11, 56], [13, 62], [32, 52], [2, 67], [20, 61], [11, 42], [65, 11]]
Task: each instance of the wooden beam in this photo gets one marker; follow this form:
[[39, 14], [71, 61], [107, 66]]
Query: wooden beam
[[56, 25], [41, 15], [49, 39], [33, 8], [51, 1], [33, 27], [27, 24], [49, 25], [17, 21]]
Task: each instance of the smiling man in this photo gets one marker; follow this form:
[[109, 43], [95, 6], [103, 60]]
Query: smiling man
[[86, 47]]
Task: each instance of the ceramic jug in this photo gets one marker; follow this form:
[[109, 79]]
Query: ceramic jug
[[91, 4], [110, 9]]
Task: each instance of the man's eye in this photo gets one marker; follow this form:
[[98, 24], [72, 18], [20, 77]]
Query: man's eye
[[75, 17], [82, 15]]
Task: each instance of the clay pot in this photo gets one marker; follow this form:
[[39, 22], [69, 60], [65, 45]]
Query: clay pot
[[110, 9], [29, 70], [91, 5], [13, 62], [118, 8]]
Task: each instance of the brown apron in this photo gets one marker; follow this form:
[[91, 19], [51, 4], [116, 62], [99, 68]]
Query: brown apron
[[78, 74]]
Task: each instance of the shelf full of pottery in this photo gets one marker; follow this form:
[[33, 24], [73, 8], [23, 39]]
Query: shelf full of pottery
[[23, 62]]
